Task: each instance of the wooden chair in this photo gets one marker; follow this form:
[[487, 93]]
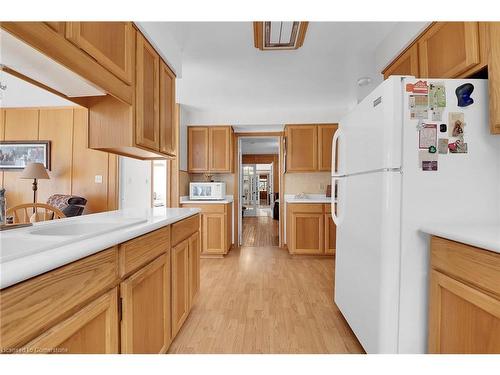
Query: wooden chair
[[23, 213]]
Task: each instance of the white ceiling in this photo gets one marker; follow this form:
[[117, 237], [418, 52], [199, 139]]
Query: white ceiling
[[260, 145], [222, 71]]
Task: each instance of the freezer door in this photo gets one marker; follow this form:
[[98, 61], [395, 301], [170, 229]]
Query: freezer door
[[367, 258], [369, 137]]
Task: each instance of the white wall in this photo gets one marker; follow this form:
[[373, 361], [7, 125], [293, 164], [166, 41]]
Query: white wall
[[160, 36], [135, 183], [396, 41]]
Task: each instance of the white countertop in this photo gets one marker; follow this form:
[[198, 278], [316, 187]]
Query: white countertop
[[27, 252], [485, 236], [186, 200], [309, 198]]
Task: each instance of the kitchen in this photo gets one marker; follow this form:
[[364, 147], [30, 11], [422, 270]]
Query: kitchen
[[383, 210]]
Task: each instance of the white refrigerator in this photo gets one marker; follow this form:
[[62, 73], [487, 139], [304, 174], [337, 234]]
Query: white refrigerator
[[384, 195]]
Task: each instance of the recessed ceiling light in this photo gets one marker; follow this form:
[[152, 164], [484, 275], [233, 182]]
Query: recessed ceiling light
[[364, 81], [271, 35]]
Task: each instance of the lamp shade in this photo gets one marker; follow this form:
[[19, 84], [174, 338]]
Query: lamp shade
[[35, 170]]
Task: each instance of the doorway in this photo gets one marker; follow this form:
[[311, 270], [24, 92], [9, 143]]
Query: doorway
[[259, 187]]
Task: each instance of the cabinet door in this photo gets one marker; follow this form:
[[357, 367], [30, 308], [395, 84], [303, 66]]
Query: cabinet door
[[494, 76], [448, 49], [180, 285], [330, 234], [197, 149], [110, 43], [194, 266], [147, 126], [220, 149], [462, 319], [325, 136], [145, 326], [57, 26], [214, 233], [91, 330], [302, 144], [305, 228], [406, 64], [168, 129]]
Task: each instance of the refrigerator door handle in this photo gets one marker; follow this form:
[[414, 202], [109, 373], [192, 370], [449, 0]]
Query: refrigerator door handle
[[334, 151], [337, 216]]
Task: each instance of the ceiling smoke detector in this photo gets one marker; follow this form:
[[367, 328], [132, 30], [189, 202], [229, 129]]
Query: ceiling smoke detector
[[364, 81]]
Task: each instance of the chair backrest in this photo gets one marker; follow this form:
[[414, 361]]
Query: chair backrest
[[24, 212]]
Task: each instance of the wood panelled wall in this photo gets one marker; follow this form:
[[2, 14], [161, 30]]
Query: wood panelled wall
[[265, 159], [74, 166]]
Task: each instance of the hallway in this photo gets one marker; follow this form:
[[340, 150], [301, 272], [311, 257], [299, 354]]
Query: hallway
[[260, 231], [261, 300]]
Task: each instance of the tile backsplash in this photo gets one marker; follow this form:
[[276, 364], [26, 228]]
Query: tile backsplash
[[311, 183]]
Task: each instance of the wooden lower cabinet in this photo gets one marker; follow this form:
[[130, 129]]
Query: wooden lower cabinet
[[194, 267], [145, 300], [330, 234], [310, 229], [91, 330], [180, 285], [464, 299], [132, 298], [216, 227]]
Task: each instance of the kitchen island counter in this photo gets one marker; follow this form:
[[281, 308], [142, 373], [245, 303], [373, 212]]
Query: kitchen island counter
[[31, 251]]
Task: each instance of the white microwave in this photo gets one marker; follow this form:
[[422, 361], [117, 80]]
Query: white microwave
[[207, 190]]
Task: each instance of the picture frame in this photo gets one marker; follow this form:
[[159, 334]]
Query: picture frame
[[14, 155]]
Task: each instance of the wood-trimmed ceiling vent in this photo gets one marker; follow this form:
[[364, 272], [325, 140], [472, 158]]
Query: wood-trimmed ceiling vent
[[271, 35]]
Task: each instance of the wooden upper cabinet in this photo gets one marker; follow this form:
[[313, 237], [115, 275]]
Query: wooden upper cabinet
[[405, 64], [147, 126], [197, 149], [180, 285], [59, 27], [494, 76], [145, 326], [91, 330], [168, 131], [110, 43], [325, 136], [220, 149], [449, 49], [302, 146]]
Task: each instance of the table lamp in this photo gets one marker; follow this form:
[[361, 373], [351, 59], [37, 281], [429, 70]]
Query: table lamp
[[35, 171]]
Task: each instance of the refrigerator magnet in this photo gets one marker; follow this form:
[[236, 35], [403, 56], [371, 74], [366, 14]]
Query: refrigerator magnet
[[419, 106], [427, 161], [443, 128], [463, 93], [427, 136], [443, 145], [456, 124], [458, 147], [430, 165], [419, 87]]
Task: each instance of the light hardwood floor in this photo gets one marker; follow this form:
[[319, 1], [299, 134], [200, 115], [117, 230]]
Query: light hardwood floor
[[261, 300], [260, 231]]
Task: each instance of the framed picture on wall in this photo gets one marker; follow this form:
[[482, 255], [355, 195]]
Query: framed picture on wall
[[14, 155]]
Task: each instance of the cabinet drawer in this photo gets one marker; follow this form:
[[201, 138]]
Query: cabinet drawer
[[306, 208], [470, 264], [209, 208], [183, 229], [33, 306], [141, 250]]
